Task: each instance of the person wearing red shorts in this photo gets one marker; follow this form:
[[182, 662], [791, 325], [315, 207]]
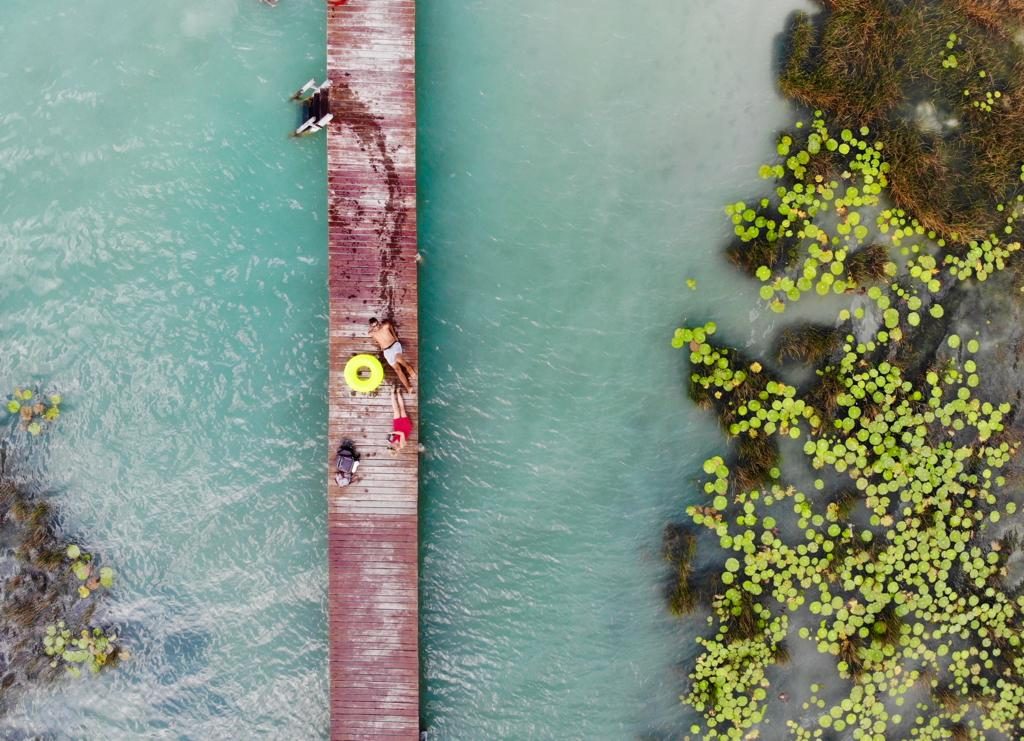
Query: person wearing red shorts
[[401, 425]]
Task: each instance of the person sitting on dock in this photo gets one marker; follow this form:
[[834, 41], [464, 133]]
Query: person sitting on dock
[[384, 334], [346, 461], [401, 425]]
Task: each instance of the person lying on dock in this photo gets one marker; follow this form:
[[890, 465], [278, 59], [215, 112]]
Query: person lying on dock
[[384, 334], [401, 425]]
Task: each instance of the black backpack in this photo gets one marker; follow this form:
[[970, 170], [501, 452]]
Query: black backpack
[[346, 458]]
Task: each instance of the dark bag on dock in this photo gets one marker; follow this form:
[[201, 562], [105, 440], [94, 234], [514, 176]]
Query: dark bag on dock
[[346, 460]]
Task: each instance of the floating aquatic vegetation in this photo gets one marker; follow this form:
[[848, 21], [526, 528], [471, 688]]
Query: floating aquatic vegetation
[[92, 648], [34, 409], [958, 57], [84, 570], [923, 457], [890, 570], [46, 587], [890, 596], [804, 234], [819, 227], [46, 584], [892, 558]]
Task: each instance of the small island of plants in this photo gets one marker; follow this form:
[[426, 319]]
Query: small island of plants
[[51, 587]]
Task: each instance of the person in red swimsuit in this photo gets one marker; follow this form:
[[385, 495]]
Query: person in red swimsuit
[[401, 425]]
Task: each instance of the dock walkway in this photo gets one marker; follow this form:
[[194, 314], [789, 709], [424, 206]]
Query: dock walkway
[[373, 549]]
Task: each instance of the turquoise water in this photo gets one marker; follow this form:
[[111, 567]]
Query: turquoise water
[[165, 269], [575, 158]]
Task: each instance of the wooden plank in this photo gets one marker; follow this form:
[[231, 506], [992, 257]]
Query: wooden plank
[[373, 527]]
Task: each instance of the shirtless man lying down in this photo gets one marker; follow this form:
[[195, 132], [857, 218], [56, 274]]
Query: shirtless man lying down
[[384, 335]]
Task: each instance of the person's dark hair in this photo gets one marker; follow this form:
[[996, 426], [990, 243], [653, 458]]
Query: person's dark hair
[[373, 320]]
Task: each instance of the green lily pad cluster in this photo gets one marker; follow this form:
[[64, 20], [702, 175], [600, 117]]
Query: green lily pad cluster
[[892, 558], [34, 409], [949, 60], [729, 681], [982, 259], [985, 104], [720, 373], [828, 260], [770, 407], [84, 570], [815, 218], [47, 581], [90, 648], [891, 595], [978, 259], [896, 570], [902, 226], [988, 98]]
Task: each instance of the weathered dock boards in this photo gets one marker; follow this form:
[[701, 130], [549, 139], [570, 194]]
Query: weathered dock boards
[[372, 524]]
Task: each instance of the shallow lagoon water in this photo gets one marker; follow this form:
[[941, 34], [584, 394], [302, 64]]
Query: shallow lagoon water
[[575, 159], [164, 269]]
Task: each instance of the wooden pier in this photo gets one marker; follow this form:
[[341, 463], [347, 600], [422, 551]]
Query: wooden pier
[[373, 524]]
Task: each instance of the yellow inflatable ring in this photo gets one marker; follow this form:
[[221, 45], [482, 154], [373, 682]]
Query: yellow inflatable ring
[[355, 366]]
